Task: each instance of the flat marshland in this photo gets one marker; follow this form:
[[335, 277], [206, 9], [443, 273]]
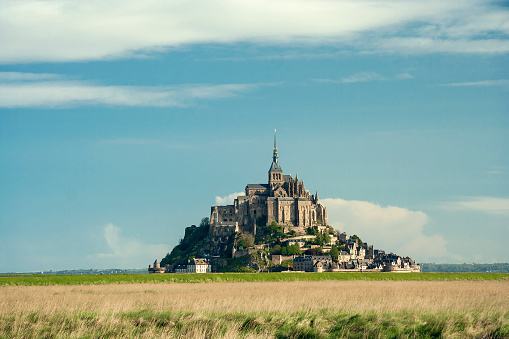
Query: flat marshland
[[284, 309]]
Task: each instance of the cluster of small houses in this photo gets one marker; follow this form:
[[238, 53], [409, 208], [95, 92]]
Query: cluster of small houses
[[201, 265], [353, 258], [383, 263]]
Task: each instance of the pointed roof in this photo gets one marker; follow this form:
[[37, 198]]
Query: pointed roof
[[274, 167]]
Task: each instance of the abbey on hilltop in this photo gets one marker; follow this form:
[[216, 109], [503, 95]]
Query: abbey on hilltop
[[283, 200], [272, 227]]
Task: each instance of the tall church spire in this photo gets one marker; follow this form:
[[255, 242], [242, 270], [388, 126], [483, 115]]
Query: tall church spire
[[275, 164], [274, 153]]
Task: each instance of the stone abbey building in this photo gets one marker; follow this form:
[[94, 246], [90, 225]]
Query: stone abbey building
[[282, 199]]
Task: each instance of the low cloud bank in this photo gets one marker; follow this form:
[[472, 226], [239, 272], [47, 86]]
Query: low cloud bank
[[126, 252], [391, 228]]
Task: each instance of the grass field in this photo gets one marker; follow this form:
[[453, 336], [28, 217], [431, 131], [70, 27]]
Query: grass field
[[239, 277], [455, 306]]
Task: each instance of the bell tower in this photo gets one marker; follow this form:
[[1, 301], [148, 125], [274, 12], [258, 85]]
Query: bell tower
[[275, 171]]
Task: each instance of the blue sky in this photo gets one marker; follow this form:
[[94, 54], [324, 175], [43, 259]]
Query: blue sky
[[122, 122]]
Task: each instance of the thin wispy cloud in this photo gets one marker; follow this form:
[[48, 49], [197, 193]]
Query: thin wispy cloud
[[296, 55], [482, 83], [404, 76], [497, 170], [66, 93], [431, 45], [365, 77], [64, 31], [19, 76], [490, 205]]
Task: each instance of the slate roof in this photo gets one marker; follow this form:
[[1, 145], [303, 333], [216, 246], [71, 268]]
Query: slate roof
[[258, 186], [200, 261], [275, 167]]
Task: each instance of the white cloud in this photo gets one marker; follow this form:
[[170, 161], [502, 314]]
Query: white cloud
[[482, 83], [490, 205], [391, 228], [332, 81], [430, 45], [290, 55], [62, 30], [363, 77], [366, 77], [228, 200], [404, 76], [128, 252], [64, 93], [19, 76]]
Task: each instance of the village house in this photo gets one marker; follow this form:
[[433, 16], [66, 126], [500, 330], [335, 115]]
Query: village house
[[198, 266], [193, 266], [312, 263]]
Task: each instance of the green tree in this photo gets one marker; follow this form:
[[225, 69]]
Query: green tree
[[318, 239], [276, 232], [245, 241], [326, 238], [276, 249], [296, 250], [166, 260], [334, 253], [359, 240], [311, 231], [291, 250], [205, 222]]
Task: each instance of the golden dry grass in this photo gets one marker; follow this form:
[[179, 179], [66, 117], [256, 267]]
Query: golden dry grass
[[257, 310], [357, 296]]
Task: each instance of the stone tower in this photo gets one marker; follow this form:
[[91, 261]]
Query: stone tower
[[275, 171]]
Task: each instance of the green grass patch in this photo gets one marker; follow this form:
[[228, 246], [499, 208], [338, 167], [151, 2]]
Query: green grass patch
[[274, 325], [41, 280]]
